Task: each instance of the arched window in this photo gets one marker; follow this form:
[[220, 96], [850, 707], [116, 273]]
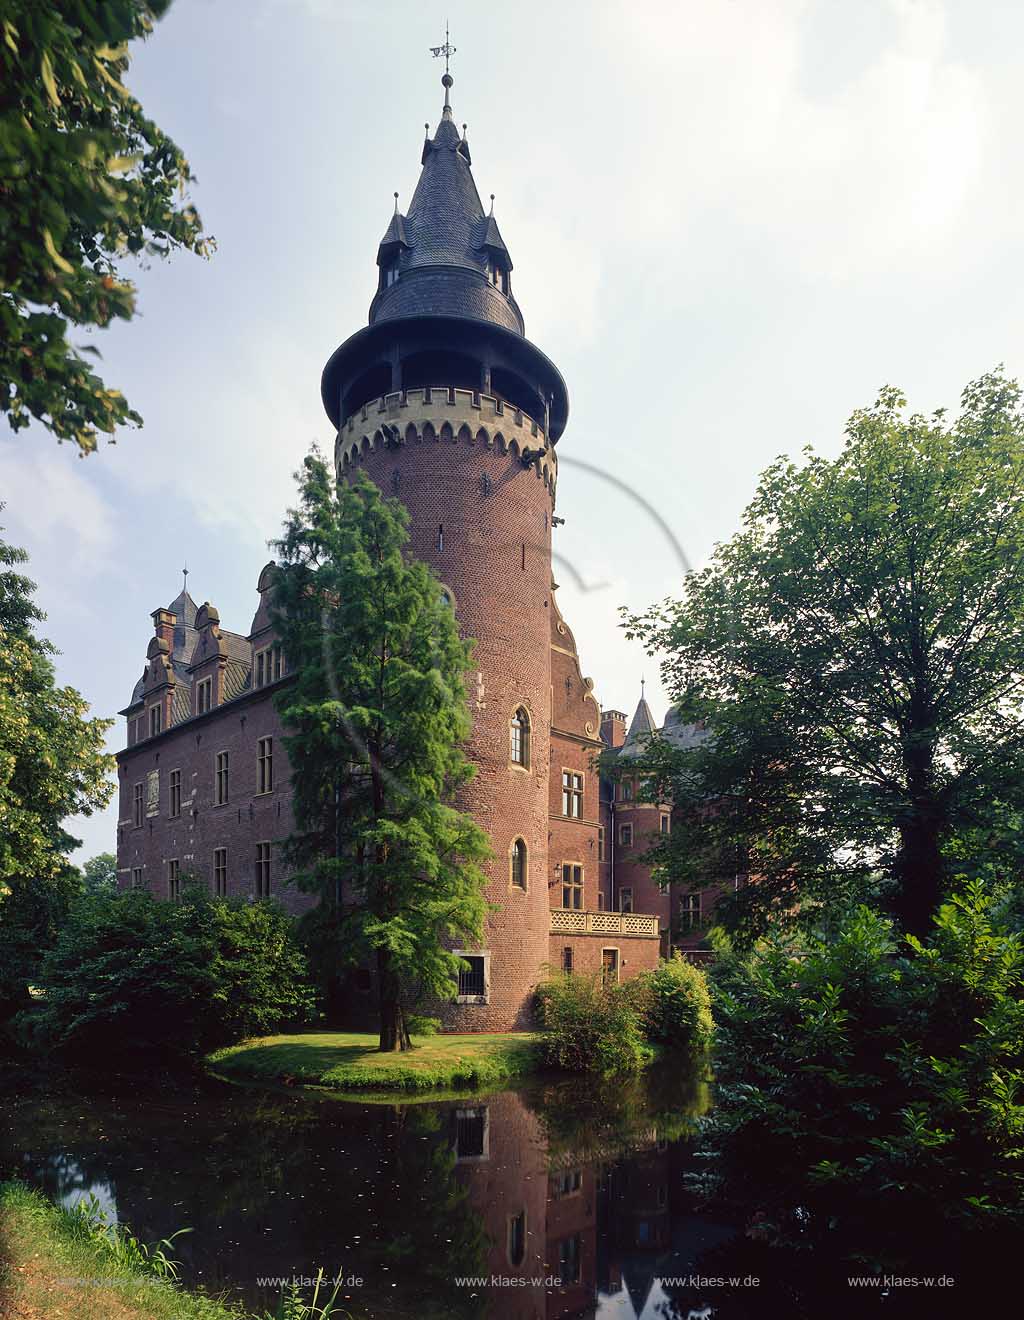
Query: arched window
[[519, 738], [518, 864]]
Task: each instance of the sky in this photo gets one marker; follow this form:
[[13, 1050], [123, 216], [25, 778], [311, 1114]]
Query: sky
[[731, 223]]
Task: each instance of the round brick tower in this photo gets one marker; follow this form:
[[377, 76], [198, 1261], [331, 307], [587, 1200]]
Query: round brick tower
[[443, 402]]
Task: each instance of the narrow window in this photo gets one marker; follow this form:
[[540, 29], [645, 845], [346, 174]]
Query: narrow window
[[600, 843], [519, 864], [625, 900], [569, 1260], [519, 738], [136, 877], [263, 870], [626, 793], [138, 804], [689, 913], [440, 536], [174, 780], [204, 696], [278, 656], [174, 879], [221, 791], [485, 483], [572, 794], [396, 481], [610, 966], [220, 872], [626, 835], [261, 667], [572, 885], [600, 900], [567, 959], [666, 823], [265, 765], [471, 979], [516, 1245], [156, 720], [522, 564]]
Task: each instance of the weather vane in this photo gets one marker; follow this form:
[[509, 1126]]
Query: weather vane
[[184, 577], [447, 50]]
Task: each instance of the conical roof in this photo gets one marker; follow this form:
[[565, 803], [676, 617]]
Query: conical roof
[[641, 726], [444, 247]]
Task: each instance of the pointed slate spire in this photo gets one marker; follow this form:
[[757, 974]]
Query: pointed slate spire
[[446, 240], [641, 726]]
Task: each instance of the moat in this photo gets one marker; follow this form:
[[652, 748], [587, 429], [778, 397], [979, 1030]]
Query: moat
[[523, 1187]]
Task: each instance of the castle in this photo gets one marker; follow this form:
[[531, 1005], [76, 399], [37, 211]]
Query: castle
[[443, 401]]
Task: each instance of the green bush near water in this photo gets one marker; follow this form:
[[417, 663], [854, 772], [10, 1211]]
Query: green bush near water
[[674, 1004], [131, 975], [589, 1026]]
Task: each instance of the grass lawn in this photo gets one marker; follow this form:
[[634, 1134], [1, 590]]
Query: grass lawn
[[350, 1060], [50, 1268]]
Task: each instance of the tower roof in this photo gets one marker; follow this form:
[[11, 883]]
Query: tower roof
[[640, 727], [444, 248]]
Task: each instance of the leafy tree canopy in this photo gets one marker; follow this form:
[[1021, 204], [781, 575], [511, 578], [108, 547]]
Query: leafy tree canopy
[[377, 713], [86, 179], [99, 874], [855, 653], [52, 765]]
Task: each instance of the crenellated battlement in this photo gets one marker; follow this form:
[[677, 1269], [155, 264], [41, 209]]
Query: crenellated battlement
[[440, 414]]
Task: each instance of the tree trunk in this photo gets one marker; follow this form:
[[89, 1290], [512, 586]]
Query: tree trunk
[[394, 1033], [919, 866]]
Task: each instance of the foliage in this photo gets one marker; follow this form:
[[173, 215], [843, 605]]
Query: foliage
[[869, 1094], [87, 179], [133, 975], [52, 765], [87, 1221], [855, 650], [589, 1025], [376, 715], [674, 1004], [350, 1061], [99, 874]]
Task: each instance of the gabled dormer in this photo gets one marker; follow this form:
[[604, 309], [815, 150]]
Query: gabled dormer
[[268, 662], [209, 661]]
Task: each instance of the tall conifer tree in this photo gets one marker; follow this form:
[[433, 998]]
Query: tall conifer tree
[[376, 715]]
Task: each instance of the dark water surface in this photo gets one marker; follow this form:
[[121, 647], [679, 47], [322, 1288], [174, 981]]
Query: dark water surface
[[583, 1183]]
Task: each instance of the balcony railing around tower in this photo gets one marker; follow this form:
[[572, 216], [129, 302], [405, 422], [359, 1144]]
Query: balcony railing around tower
[[576, 921]]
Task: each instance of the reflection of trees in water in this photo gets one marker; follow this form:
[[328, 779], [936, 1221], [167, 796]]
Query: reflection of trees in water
[[271, 1184], [585, 1122]]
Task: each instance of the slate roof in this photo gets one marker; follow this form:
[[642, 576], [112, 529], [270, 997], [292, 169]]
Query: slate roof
[[642, 727], [443, 243]]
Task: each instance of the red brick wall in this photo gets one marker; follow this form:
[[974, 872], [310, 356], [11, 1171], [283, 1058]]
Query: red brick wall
[[202, 826], [496, 563], [635, 954]]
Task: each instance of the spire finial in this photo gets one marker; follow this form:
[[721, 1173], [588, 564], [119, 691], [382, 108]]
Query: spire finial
[[447, 50], [396, 203], [184, 577], [492, 203], [642, 682]]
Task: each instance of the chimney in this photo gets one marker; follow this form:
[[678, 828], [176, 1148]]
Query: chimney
[[163, 623], [613, 727]]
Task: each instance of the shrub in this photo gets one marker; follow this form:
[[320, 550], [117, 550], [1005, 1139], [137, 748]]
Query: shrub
[[589, 1026], [133, 975], [869, 1093], [421, 1025], [674, 1005]]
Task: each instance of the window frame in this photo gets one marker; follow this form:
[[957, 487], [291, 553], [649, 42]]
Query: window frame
[[220, 872], [138, 804], [136, 877], [174, 793], [221, 778], [623, 891], [572, 793], [601, 844], [156, 719], [665, 822], [262, 869], [690, 916], [519, 850], [264, 765], [485, 956], [573, 879], [626, 834], [519, 731], [174, 879], [204, 695]]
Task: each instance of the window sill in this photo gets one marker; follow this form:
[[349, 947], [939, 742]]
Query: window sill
[[472, 999]]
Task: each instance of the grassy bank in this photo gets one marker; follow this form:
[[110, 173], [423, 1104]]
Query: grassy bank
[[51, 1265], [350, 1061]]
